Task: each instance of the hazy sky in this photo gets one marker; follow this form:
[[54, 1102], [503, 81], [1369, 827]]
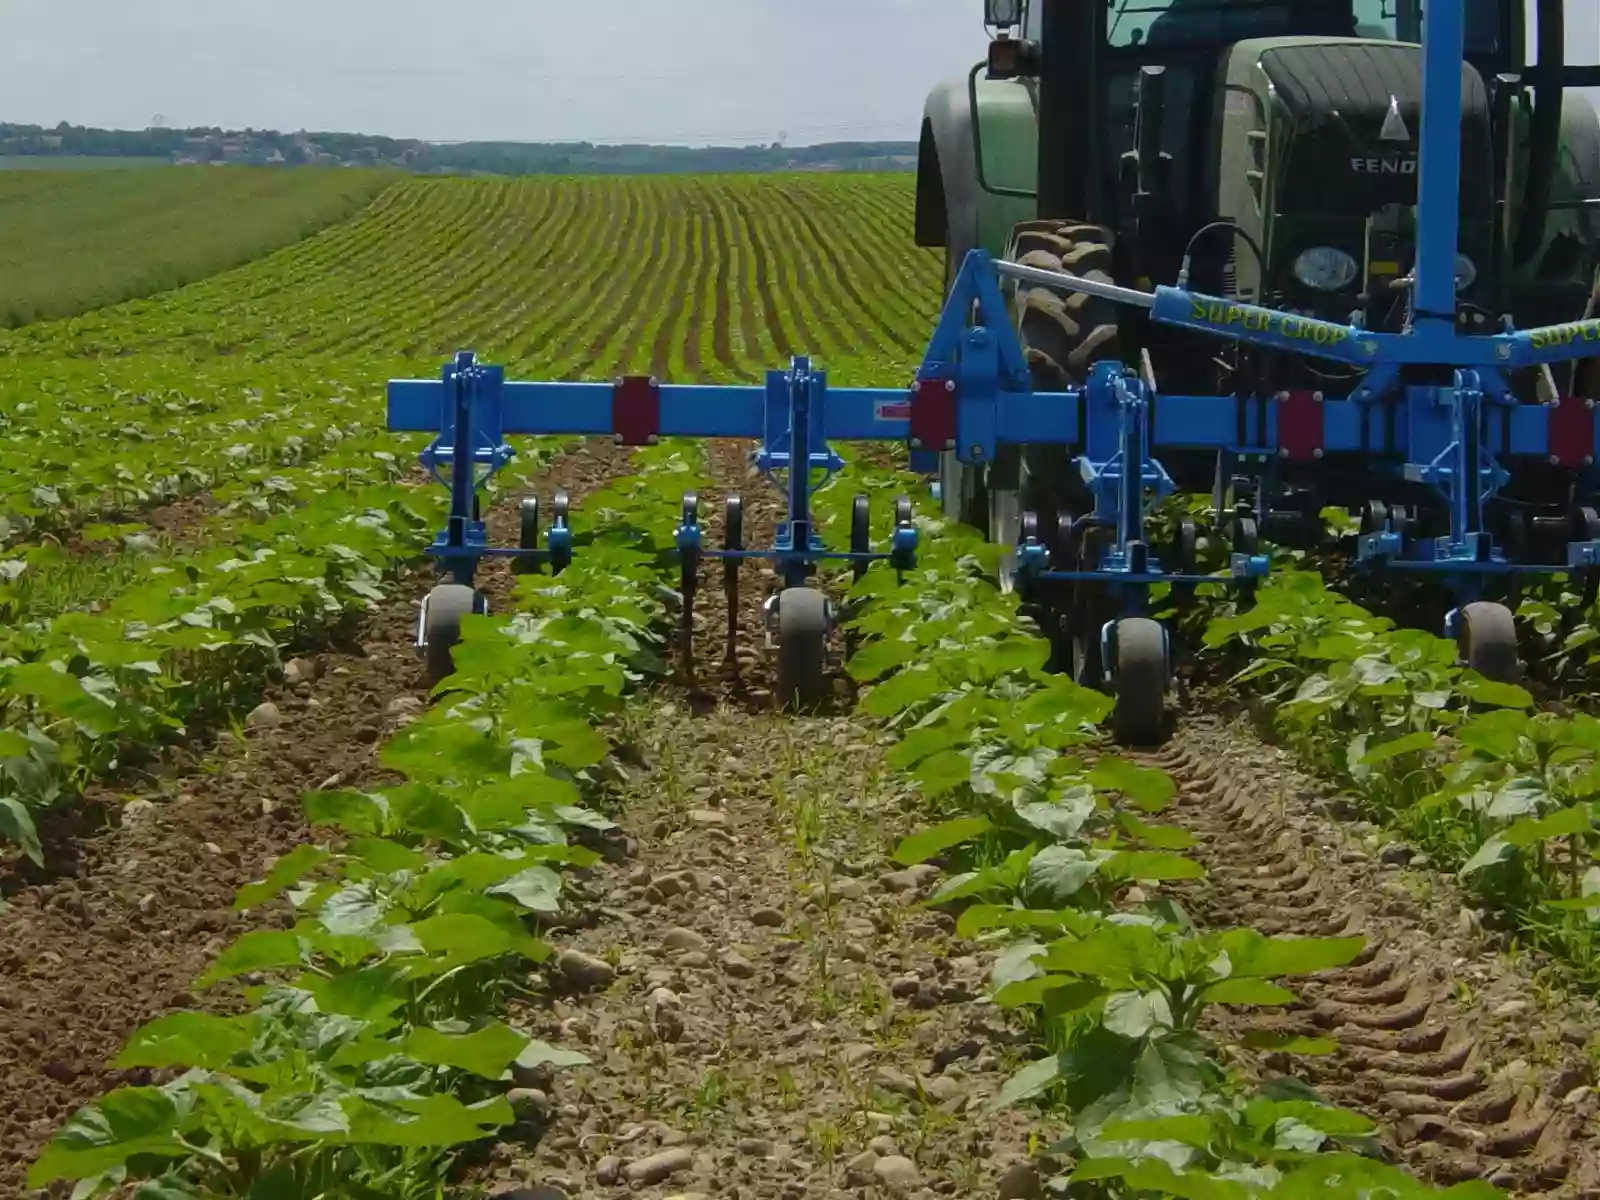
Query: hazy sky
[[692, 71]]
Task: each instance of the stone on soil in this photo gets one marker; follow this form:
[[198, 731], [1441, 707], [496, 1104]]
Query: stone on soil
[[897, 1175], [584, 970], [660, 1166], [264, 716]]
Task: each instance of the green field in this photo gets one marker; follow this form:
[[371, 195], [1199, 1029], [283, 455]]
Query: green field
[[74, 162], [76, 240]]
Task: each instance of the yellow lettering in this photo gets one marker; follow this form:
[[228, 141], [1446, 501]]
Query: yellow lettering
[[1197, 310]]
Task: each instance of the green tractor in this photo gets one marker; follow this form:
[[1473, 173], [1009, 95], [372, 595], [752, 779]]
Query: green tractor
[[1258, 149]]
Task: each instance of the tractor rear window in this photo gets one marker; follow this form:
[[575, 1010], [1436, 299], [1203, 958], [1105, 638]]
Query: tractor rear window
[[1131, 23]]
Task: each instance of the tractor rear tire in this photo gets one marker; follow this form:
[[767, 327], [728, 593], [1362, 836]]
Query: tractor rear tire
[[1063, 334]]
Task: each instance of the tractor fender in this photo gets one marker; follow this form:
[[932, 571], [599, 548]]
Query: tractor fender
[[1580, 145], [947, 181], [954, 208]]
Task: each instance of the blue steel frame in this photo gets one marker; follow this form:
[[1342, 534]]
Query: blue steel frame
[[973, 386]]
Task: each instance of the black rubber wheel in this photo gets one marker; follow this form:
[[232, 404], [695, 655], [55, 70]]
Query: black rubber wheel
[[1140, 682], [528, 536], [1063, 334], [902, 512], [860, 532], [802, 647], [559, 508], [441, 628], [1487, 638]]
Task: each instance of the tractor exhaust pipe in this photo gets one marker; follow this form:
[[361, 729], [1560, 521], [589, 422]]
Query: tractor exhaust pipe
[[1544, 131], [1070, 179]]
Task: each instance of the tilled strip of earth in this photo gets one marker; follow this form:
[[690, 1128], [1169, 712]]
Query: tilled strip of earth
[[1476, 1065]]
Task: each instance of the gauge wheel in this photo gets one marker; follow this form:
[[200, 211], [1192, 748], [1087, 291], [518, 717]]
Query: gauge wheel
[[1140, 681], [802, 647], [1487, 638], [447, 604]]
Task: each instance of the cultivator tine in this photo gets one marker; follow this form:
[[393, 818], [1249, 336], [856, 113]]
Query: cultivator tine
[[689, 553], [733, 540]]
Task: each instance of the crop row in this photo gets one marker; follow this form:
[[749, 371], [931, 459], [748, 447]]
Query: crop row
[[74, 241], [381, 1048], [686, 278], [1462, 767]]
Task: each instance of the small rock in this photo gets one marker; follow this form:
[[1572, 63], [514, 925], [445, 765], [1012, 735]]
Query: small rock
[[897, 1175], [1020, 1182], [941, 1089], [706, 817], [755, 1147], [904, 987], [661, 1008], [608, 1171], [135, 811], [685, 939], [1511, 1008], [898, 1082], [848, 889], [911, 879], [695, 960], [529, 1103], [882, 1145], [1396, 854], [660, 1166], [584, 970], [299, 670], [264, 716], [401, 705], [767, 918], [858, 1171], [737, 966]]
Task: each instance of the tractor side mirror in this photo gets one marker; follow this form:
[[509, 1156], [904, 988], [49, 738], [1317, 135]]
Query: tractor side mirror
[[1002, 14]]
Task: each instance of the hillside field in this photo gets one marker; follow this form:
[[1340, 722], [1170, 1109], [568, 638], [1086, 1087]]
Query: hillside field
[[74, 240], [591, 917]]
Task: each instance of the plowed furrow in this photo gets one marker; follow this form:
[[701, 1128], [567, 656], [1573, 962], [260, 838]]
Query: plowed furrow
[[1465, 1085]]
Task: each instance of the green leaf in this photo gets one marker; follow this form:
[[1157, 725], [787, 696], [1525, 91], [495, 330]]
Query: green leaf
[[288, 870], [1289, 1043], [186, 1039], [943, 772], [1486, 691], [254, 951], [1135, 1014], [1246, 991], [537, 889], [1028, 1082], [1162, 837], [1409, 744], [1148, 788], [928, 843], [1150, 864], [487, 1052], [539, 1054], [1254, 955], [467, 937], [16, 824], [1057, 873]]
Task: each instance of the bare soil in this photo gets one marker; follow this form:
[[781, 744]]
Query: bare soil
[[1476, 1062], [768, 1012]]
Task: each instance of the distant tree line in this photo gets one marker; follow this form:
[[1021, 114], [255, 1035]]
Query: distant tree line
[[269, 147]]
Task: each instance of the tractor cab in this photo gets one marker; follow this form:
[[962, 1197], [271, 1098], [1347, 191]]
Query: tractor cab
[[1264, 149]]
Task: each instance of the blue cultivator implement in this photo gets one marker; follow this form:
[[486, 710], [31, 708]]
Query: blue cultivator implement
[[1430, 407]]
